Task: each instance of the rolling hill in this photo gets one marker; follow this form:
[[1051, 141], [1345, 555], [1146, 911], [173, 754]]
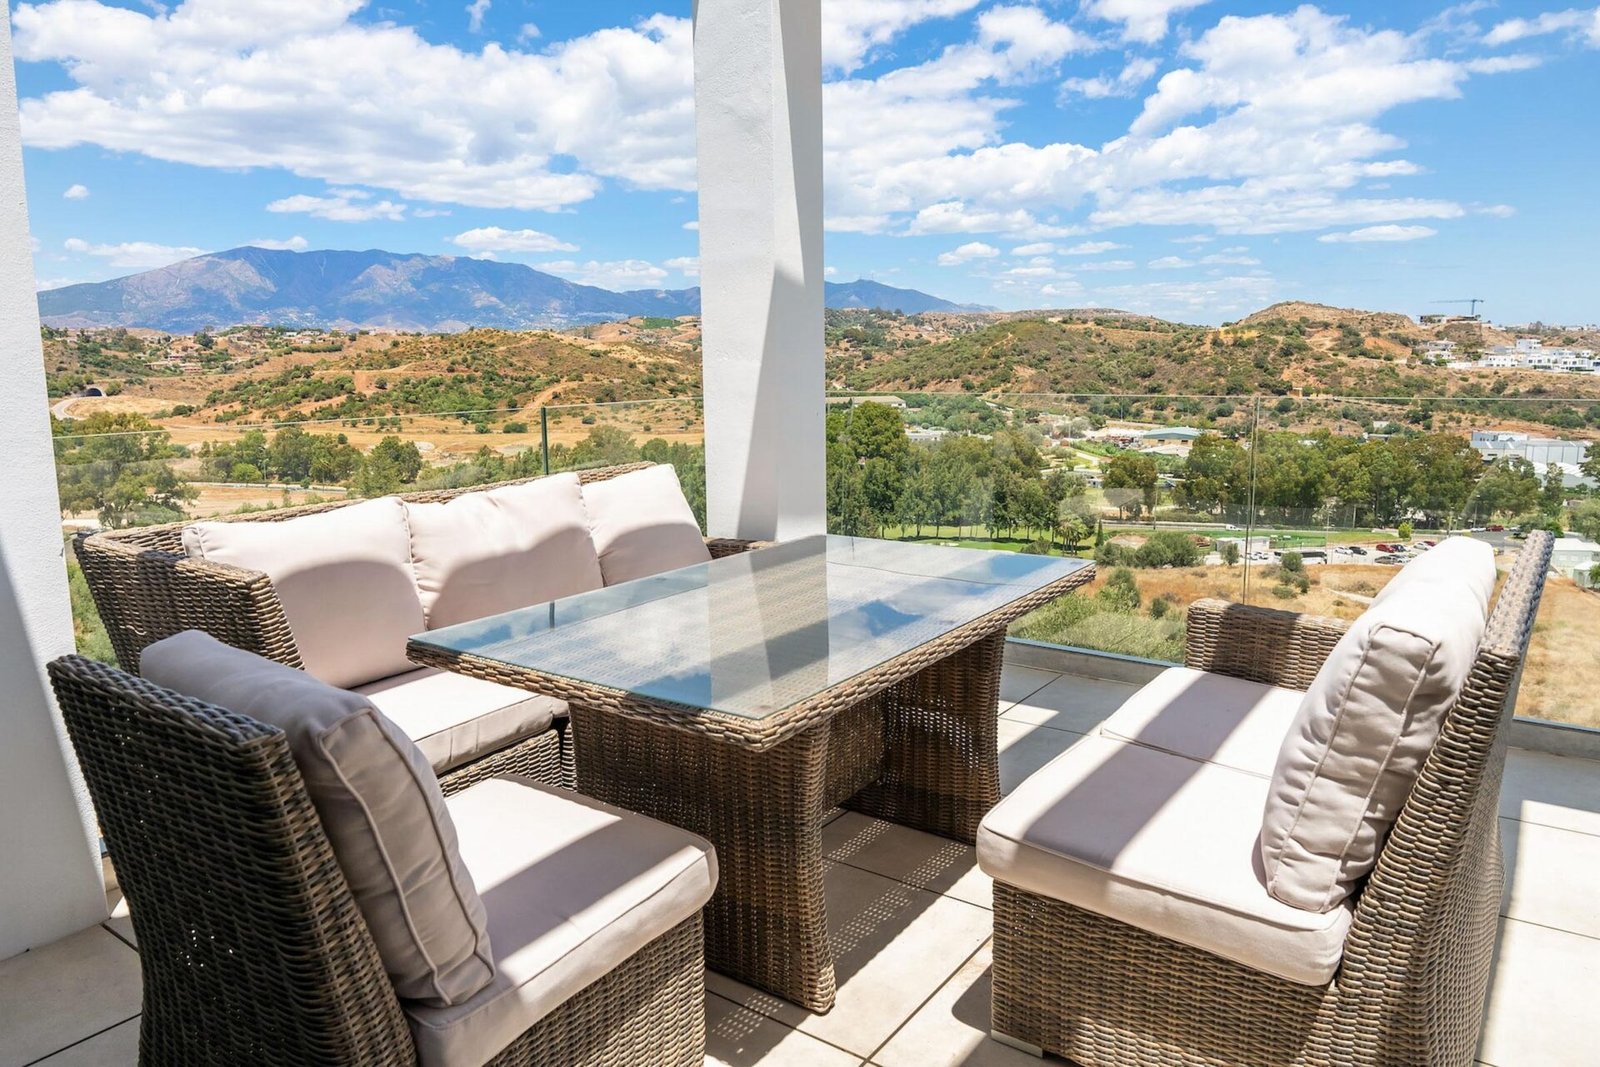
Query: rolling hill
[[386, 290]]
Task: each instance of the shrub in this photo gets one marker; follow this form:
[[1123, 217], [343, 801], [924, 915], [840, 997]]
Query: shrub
[[1167, 548], [1162, 605], [1037, 547], [1292, 563], [1121, 591]]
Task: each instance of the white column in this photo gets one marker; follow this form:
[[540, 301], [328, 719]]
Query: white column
[[49, 858], [758, 104]]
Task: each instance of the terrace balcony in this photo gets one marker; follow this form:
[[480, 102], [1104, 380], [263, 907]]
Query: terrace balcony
[[909, 914]]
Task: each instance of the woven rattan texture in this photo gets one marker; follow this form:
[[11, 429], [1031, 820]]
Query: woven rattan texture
[[1410, 990]]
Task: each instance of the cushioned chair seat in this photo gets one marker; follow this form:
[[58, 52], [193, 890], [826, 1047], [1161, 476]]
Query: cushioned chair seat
[[454, 719], [1163, 843], [1216, 718], [572, 888]]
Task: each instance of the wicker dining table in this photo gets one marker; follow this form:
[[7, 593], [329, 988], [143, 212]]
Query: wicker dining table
[[744, 698]]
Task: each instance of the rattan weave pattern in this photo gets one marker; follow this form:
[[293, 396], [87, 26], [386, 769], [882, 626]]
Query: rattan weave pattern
[[1410, 990], [251, 947]]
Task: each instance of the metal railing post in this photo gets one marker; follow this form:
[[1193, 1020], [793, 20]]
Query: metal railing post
[[544, 435]]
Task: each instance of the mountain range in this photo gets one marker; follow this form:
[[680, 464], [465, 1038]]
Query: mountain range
[[399, 291]]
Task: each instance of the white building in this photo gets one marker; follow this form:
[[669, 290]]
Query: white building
[[1530, 353]]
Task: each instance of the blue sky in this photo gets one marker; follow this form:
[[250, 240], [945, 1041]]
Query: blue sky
[[1196, 159]]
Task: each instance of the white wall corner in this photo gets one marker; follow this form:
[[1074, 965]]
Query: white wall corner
[[758, 118], [50, 875]]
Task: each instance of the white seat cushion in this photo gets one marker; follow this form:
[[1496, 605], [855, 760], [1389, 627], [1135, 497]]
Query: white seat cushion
[[1215, 718], [1362, 734], [378, 801], [497, 550], [573, 888], [1464, 562], [1163, 843], [642, 525], [454, 719], [343, 577]]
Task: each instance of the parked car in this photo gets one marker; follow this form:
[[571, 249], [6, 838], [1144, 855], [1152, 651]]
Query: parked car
[[1389, 560], [1356, 550], [1495, 527], [1385, 546]]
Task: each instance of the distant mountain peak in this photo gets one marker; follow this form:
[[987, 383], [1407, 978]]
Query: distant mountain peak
[[336, 288]]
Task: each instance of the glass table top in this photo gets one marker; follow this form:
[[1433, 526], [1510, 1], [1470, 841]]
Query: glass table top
[[757, 632]]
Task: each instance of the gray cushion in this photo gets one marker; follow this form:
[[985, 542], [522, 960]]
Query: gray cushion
[[1362, 734], [1161, 842], [497, 550], [454, 719], [343, 577], [379, 803], [642, 525], [573, 888]]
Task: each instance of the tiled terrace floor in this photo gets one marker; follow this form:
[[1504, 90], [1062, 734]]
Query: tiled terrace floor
[[911, 928]]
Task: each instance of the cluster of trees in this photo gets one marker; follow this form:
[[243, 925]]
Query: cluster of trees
[[121, 468], [878, 478], [293, 456], [1436, 479]]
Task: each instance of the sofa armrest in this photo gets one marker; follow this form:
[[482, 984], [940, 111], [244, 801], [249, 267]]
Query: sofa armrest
[[146, 593], [732, 546], [1282, 648]]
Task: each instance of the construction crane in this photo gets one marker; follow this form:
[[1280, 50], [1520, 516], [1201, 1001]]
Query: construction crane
[[1472, 301]]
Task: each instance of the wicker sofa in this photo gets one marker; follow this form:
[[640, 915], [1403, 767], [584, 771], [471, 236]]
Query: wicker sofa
[[147, 586], [1395, 975]]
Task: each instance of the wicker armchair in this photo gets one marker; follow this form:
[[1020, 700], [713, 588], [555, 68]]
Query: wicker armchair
[[251, 946], [146, 588], [1411, 986]]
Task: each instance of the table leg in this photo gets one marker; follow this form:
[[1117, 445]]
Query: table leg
[[942, 760], [767, 922]]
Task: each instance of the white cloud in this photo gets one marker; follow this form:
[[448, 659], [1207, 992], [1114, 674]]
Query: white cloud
[[1106, 264], [76, 191], [291, 244], [1038, 248], [1581, 25], [1169, 263], [616, 274], [971, 250], [1379, 233], [1194, 239], [496, 239], [688, 266], [429, 212], [1204, 299], [492, 128], [692, 224], [475, 13], [1133, 74], [1499, 211], [829, 272], [1142, 20], [853, 29], [1091, 248], [132, 254], [529, 32], [345, 205]]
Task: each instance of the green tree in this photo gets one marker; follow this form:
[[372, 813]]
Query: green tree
[[1509, 487], [1584, 519], [119, 466], [1216, 473], [1136, 474], [1552, 493], [1405, 530], [1230, 553]]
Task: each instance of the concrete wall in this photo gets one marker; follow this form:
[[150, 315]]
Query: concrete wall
[[49, 862], [758, 101]]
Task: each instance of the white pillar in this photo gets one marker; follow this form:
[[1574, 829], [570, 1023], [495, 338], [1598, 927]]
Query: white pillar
[[758, 118], [49, 858]]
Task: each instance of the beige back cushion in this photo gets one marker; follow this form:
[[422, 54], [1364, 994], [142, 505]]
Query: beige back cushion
[[1361, 736], [379, 804], [642, 525], [343, 577], [493, 551], [1465, 561]]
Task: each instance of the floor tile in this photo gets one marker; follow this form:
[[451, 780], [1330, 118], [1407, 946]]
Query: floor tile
[[1025, 748], [1017, 683], [924, 860], [1541, 998], [119, 923], [1072, 702], [894, 946], [1551, 877], [68, 990], [739, 1037], [952, 1029], [1551, 791], [116, 1047]]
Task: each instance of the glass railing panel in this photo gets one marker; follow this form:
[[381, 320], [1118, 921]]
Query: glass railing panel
[[670, 431]]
